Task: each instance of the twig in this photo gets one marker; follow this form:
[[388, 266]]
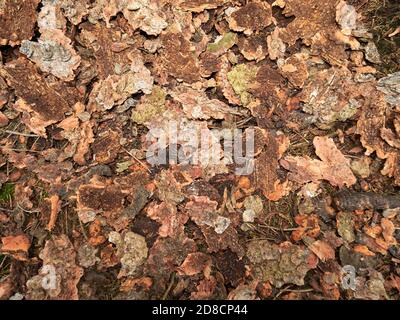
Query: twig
[[28, 211], [83, 230], [21, 134], [2, 261], [171, 283], [278, 229], [24, 150], [136, 159], [292, 290]]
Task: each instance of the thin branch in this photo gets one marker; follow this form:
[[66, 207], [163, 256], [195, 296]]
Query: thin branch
[[21, 133]]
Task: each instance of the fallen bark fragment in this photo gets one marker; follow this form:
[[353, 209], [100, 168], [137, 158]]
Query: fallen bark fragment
[[254, 16], [172, 222], [53, 53], [15, 243], [132, 250], [59, 276], [280, 264], [29, 85], [196, 263], [390, 86], [17, 20], [351, 201], [200, 5], [266, 165], [178, 60], [116, 89], [218, 230]]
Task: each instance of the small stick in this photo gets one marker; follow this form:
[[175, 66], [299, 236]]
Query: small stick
[[165, 295], [136, 159], [21, 134]]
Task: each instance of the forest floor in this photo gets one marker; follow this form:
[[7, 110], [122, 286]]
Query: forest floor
[[91, 209]]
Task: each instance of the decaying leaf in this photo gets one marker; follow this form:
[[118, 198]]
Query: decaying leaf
[[196, 263], [334, 167], [322, 250]]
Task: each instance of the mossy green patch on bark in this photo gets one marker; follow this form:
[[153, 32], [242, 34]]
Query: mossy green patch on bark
[[241, 77], [226, 42], [150, 106]]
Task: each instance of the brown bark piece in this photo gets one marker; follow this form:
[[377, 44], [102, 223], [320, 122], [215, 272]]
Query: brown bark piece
[[17, 21], [29, 85]]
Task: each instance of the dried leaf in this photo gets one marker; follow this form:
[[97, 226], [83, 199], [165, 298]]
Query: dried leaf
[[334, 167], [196, 263], [322, 250]]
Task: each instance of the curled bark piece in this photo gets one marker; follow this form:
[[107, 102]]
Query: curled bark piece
[[352, 200]]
